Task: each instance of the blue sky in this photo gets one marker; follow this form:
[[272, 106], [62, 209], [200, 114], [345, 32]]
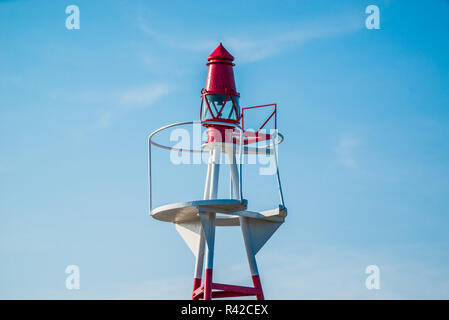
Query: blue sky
[[364, 166]]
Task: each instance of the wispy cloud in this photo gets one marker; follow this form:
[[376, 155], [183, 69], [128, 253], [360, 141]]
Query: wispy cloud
[[250, 48], [345, 150], [143, 96], [105, 119], [118, 102], [191, 45], [254, 49], [129, 100]]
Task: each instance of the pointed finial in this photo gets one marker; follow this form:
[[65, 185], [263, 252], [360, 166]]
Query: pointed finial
[[220, 53]]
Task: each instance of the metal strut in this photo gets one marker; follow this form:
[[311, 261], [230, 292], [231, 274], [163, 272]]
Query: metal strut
[[208, 221]]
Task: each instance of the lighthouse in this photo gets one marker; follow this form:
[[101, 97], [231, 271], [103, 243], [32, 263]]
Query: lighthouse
[[219, 98], [196, 220]]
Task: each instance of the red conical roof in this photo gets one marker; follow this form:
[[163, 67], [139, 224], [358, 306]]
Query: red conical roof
[[220, 53], [220, 76]]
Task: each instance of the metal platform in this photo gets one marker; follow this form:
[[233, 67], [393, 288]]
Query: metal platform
[[189, 211], [183, 212]]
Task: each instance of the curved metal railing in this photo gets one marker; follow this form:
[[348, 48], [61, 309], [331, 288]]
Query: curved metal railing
[[241, 152]]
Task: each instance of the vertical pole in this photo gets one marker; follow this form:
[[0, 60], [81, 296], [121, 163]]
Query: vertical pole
[[235, 181], [277, 170], [149, 176], [215, 173], [210, 244], [245, 232], [209, 259], [200, 255], [251, 257], [230, 186], [199, 262]]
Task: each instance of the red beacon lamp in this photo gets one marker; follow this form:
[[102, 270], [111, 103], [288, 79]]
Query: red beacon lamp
[[220, 101], [196, 220]]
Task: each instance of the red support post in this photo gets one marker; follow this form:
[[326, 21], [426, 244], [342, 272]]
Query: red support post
[[208, 285], [196, 285], [258, 285]]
